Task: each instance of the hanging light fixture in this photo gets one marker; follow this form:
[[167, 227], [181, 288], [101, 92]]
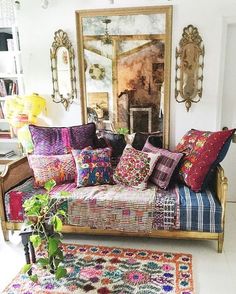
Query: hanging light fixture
[[44, 4], [106, 39]]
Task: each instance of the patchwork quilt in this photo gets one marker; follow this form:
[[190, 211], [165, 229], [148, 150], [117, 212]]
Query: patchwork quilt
[[122, 208]]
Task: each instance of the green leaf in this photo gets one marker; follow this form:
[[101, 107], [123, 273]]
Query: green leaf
[[36, 240], [34, 278], [64, 193], [52, 246], [60, 272], [49, 185], [61, 212], [26, 268], [43, 261], [60, 254], [57, 262], [57, 223]]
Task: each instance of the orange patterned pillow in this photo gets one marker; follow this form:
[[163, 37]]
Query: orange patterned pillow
[[61, 168]]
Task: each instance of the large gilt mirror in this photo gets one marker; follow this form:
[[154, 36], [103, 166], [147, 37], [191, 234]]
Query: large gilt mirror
[[63, 69], [124, 60]]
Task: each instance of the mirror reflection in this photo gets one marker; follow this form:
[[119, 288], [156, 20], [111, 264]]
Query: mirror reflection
[[63, 71], [124, 56]]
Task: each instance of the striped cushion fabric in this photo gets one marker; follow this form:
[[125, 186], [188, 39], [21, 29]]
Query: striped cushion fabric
[[199, 211], [165, 165]]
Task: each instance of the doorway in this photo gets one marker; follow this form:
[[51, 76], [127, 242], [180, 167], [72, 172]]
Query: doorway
[[228, 110]]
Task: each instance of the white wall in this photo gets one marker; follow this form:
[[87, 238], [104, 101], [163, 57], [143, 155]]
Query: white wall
[[37, 27]]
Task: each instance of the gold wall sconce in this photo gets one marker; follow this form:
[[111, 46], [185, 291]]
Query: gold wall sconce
[[63, 70], [189, 67]]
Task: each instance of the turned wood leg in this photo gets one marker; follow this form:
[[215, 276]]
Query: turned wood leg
[[28, 248], [32, 252], [5, 231], [220, 242]]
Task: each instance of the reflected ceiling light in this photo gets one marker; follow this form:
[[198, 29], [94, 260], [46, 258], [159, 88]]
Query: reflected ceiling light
[[17, 4], [44, 4], [106, 39]]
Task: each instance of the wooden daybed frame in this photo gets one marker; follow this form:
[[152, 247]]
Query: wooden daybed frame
[[18, 171]]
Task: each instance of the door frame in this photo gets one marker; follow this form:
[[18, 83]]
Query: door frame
[[226, 21]]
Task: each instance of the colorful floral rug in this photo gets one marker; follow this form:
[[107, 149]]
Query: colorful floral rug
[[105, 270]]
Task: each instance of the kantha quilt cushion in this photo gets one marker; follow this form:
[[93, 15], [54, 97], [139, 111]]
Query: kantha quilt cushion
[[165, 166], [202, 150], [135, 168], [60, 140], [93, 167], [61, 168]]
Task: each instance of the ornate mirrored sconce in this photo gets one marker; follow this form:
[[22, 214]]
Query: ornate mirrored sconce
[[189, 67], [63, 69]]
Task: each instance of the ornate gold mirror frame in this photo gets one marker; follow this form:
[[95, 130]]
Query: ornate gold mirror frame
[[131, 49], [63, 69], [189, 67]]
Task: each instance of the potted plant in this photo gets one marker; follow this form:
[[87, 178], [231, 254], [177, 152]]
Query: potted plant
[[45, 220]]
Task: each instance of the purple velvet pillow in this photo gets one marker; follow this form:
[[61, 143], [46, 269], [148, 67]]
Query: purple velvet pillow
[[60, 140], [165, 165]]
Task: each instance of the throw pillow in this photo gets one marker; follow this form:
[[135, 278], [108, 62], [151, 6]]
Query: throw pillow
[[60, 140], [165, 165], [61, 168], [93, 167], [141, 138], [135, 168], [202, 150], [117, 144]]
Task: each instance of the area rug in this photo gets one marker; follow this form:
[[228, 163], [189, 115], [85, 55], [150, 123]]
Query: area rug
[[105, 270]]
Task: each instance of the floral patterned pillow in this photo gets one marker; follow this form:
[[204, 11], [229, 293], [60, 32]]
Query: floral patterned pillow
[[61, 168], [93, 167], [135, 168]]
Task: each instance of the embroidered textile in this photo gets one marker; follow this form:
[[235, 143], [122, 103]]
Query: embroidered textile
[[93, 167], [61, 168], [135, 168], [106, 270]]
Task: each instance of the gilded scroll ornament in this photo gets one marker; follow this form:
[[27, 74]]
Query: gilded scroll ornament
[[189, 67]]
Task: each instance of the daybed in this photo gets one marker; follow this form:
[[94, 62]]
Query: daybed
[[207, 222]]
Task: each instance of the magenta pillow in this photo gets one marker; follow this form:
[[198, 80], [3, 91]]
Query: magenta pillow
[[135, 168], [61, 168], [202, 150], [165, 166], [93, 167], [60, 140]]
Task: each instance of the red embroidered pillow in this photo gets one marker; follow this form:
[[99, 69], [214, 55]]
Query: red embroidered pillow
[[165, 165], [201, 149], [135, 168]]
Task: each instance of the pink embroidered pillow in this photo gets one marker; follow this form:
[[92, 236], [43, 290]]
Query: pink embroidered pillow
[[135, 168], [165, 165], [61, 168], [202, 150], [60, 140], [93, 167]]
